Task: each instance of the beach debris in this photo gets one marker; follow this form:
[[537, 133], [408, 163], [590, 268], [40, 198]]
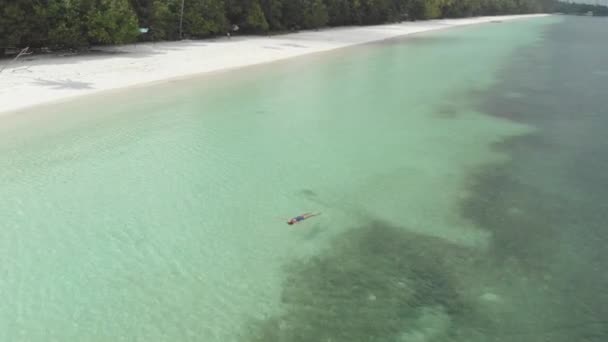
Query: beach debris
[[21, 53]]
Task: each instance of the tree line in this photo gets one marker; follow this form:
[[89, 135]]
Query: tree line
[[580, 9], [81, 23]]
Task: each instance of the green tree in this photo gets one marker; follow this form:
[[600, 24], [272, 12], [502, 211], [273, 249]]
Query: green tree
[[432, 9], [304, 14], [316, 16], [235, 11], [22, 23], [256, 21], [529, 6], [203, 18], [112, 22], [79, 23], [339, 12], [67, 26], [143, 11], [398, 10], [164, 20], [372, 11], [273, 12], [293, 11], [249, 15], [357, 12], [457, 8], [425, 9]]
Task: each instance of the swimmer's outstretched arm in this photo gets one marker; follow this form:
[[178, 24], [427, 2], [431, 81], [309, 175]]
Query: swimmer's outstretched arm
[[307, 215]]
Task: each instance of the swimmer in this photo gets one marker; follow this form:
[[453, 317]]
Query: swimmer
[[301, 218]]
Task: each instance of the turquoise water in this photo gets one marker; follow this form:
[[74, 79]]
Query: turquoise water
[[157, 213], [547, 206]]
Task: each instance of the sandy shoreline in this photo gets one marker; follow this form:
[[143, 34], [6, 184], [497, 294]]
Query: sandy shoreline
[[38, 80]]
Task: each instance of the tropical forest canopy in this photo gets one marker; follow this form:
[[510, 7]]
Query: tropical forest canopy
[[82, 23]]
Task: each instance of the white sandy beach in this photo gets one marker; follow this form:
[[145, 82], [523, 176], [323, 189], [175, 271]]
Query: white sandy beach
[[42, 79]]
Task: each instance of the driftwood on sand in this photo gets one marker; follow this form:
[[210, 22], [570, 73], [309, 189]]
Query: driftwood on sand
[[21, 53]]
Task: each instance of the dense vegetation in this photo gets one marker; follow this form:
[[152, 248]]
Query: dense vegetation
[[580, 9], [81, 23]]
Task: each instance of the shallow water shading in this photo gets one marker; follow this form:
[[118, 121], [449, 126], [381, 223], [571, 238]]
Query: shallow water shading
[[158, 214]]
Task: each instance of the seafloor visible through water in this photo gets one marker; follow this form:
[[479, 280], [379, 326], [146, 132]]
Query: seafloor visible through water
[[460, 175]]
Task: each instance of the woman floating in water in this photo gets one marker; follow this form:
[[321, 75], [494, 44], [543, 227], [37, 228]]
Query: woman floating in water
[[301, 218]]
